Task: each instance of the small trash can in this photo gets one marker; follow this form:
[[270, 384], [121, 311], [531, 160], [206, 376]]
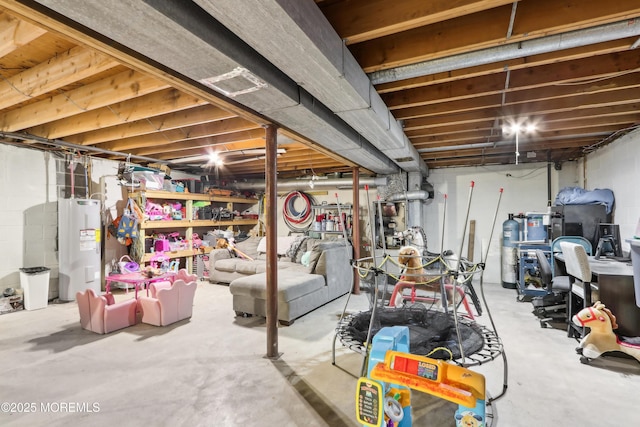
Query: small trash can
[[35, 284]]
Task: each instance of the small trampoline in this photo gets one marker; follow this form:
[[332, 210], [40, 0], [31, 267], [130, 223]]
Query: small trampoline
[[429, 330]]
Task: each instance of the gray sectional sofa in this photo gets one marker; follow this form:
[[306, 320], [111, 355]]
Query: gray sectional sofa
[[311, 272]]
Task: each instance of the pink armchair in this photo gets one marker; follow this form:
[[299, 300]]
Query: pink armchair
[[100, 314], [170, 304], [183, 274]]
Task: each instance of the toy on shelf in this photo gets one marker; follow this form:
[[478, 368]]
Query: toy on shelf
[[155, 212], [602, 339]]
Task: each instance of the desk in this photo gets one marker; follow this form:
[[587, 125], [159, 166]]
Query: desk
[[617, 292], [136, 279]]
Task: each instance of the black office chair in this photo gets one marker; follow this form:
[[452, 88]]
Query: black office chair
[[551, 307]]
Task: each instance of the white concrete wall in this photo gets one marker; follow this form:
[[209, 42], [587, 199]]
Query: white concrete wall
[[617, 167], [524, 190], [28, 217]]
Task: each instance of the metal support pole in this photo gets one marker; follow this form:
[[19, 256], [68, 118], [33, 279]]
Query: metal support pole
[[443, 288], [271, 224], [356, 227]]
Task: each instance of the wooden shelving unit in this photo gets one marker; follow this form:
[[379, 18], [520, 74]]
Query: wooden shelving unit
[[188, 225]]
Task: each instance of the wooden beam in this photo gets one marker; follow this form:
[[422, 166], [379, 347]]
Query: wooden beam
[[628, 82], [471, 239], [61, 70], [540, 145], [15, 33], [531, 110], [176, 137], [130, 110], [209, 141], [547, 119], [487, 29], [507, 158], [199, 114], [614, 46], [611, 68], [208, 149], [125, 57], [126, 85], [368, 19]]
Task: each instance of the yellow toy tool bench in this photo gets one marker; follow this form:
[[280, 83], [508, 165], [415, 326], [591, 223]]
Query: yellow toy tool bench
[[383, 398]]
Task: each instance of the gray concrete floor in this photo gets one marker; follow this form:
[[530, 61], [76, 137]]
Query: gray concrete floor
[[211, 371]]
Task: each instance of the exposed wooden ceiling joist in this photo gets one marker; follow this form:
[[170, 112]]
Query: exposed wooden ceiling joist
[[58, 81]]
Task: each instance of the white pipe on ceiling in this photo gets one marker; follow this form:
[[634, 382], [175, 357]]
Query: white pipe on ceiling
[[303, 184], [568, 40]]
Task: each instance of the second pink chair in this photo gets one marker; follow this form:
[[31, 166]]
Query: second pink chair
[[168, 304]]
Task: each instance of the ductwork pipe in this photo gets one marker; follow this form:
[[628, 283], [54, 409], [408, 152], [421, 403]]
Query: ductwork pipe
[[409, 195], [600, 34], [303, 184]]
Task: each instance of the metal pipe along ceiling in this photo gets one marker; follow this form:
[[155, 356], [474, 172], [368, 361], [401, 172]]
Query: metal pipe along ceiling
[[83, 148], [303, 184], [603, 33]]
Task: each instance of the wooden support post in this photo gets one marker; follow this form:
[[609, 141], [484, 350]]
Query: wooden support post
[[271, 225], [472, 238]]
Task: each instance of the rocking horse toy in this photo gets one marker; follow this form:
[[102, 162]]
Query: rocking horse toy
[[602, 339]]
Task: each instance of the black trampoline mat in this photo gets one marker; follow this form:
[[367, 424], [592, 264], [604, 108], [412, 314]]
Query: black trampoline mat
[[428, 330]]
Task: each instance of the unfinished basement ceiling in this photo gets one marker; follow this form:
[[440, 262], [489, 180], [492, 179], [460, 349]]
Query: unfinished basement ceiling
[[384, 85]]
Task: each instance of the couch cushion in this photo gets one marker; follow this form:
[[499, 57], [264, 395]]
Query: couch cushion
[[247, 267], [249, 246], [321, 265], [282, 244], [291, 285], [228, 264], [262, 267]]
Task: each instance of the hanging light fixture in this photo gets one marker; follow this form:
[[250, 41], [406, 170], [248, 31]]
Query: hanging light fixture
[[516, 128]]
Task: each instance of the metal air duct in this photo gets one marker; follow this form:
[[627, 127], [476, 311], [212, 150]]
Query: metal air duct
[[409, 195], [571, 39], [303, 184]]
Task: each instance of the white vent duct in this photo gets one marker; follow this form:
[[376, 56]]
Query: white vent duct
[[304, 184], [408, 195], [587, 36]]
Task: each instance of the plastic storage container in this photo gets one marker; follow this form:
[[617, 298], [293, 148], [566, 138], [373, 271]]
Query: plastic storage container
[[536, 229], [35, 283]]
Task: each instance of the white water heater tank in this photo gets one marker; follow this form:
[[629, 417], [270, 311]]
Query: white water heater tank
[[78, 246]]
